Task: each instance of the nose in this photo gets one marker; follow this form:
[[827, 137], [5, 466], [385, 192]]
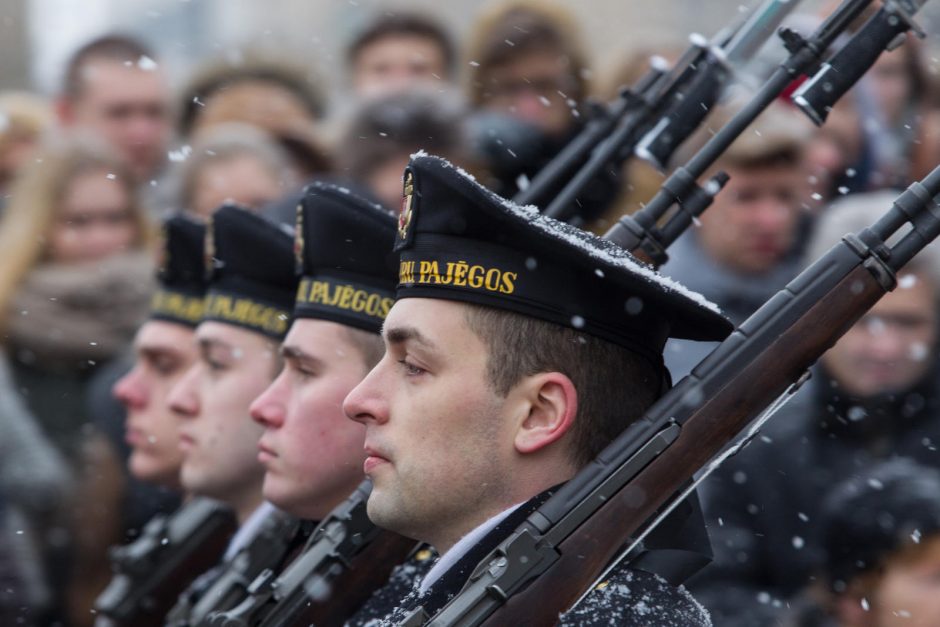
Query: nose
[[366, 402], [130, 390], [184, 397], [269, 409]]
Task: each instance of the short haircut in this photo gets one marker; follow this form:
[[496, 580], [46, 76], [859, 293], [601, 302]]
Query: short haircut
[[227, 142], [369, 344], [116, 48], [615, 386], [402, 123], [514, 29], [851, 214], [403, 24], [217, 76]]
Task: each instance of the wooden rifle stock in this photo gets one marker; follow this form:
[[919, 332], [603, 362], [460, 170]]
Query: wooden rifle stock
[[703, 435], [563, 547], [151, 572]]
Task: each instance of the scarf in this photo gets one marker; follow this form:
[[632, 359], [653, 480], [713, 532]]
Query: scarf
[[65, 315]]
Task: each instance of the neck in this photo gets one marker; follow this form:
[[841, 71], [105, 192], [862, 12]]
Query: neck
[[528, 481], [245, 502]]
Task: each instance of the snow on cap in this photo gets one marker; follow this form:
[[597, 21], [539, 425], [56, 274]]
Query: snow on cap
[[459, 241]]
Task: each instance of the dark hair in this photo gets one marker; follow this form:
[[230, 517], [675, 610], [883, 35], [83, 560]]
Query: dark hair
[[512, 30], [873, 515], [402, 123], [118, 48], [217, 76], [403, 24], [614, 385]]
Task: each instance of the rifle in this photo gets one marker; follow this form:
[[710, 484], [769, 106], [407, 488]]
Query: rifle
[[640, 234], [151, 572], [269, 549], [346, 552], [543, 568], [673, 107]]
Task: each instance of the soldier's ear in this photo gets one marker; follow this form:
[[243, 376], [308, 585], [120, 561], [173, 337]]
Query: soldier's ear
[[550, 406]]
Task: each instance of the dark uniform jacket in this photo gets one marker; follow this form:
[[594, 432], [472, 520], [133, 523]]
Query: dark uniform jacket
[[636, 597], [761, 503]]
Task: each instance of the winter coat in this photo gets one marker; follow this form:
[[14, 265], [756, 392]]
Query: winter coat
[[761, 503], [738, 295], [636, 597]]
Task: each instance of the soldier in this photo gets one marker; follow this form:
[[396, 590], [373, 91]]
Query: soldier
[[518, 348], [164, 350], [247, 313], [314, 455]]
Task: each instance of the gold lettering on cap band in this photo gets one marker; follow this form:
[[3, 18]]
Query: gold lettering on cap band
[[247, 312], [177, 305], [458, 274], [344, 296]]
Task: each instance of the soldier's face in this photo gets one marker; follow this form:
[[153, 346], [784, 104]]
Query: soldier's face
[[164, 351], [313, 455], [438, 440], [893, 345], [218, 438]]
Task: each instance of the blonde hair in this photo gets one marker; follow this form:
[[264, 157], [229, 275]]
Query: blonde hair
[[35, 201]]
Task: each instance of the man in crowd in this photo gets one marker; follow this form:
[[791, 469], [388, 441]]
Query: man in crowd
[[509, 365], [742, 251], [881, 541], [114, 88], [398, 51], [874, 395]]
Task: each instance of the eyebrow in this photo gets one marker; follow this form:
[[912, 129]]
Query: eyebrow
[[207, 344], [400, 335], [295, 353]]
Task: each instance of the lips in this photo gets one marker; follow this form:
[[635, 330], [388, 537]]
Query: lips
[[134, 437], [373, 460], [265, 453], [186, 441]]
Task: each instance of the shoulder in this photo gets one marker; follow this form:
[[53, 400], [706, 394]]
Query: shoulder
[[637, 598]]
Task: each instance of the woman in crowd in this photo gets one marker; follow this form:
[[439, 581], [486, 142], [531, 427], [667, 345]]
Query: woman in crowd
[[74, 285]]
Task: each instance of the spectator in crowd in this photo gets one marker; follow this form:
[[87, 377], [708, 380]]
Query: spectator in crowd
[[114, 88], [528, 81], [386, 131], [74, 286], [874, 395], [900, 129], [33, 479], [742, 250], [397, 51], [284, 100], [236, 163], [24, 118], [881, 551]]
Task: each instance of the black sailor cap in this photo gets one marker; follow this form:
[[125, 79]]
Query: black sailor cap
[[250, 264], [343, 247], [459, 241], [181, 276]]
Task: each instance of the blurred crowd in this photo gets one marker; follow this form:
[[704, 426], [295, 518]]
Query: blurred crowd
[[86, 174]]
